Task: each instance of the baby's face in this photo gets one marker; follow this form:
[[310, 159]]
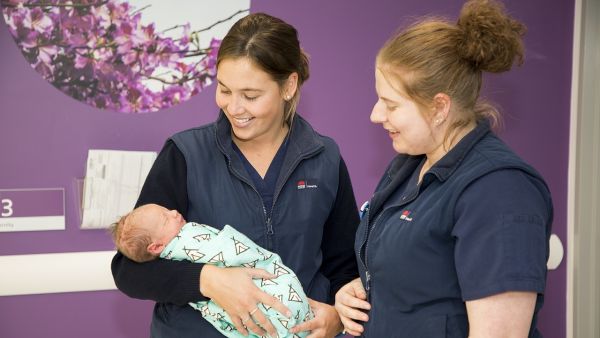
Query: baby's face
[[164, 224]]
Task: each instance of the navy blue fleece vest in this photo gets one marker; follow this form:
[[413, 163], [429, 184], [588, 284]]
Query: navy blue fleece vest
[[478, 154], [221, 192]]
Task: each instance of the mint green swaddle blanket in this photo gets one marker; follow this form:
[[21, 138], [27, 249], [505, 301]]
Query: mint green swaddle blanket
[[200, 243]]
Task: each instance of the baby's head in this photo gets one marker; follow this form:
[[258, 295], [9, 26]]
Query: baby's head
[[143, 233]]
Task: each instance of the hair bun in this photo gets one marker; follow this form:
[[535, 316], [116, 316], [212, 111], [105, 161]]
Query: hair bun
[[491, 40]]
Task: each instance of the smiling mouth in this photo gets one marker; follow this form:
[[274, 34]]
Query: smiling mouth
[[244, 120]]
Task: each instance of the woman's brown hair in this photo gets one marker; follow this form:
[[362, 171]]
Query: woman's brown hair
[[436, 56], [272, 45]]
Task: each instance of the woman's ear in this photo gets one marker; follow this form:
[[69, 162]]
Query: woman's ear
[[155, 248], [441, 108], [291, 86]]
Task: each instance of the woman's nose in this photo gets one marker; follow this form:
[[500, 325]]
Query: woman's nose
[[377, 114], [235, 105]]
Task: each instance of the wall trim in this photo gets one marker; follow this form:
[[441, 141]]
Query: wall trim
[[56, 272]]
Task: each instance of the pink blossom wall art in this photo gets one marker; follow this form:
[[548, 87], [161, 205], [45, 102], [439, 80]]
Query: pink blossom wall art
[[131, 56]]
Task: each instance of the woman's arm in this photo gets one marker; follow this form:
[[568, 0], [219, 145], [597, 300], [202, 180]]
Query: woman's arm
[[339, 263], [161, 280], [505, 315], [166, 183], [502, 226]]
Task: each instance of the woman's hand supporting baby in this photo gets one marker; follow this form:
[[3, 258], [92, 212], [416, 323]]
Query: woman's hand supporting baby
[[233, 290], [325, 324]]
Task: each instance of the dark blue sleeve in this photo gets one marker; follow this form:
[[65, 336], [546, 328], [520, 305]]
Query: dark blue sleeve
[[339, 263], [502, 228], [161, 280]]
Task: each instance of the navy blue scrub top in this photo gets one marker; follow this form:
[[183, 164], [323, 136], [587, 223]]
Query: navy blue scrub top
[[265, 186], [423, 249]]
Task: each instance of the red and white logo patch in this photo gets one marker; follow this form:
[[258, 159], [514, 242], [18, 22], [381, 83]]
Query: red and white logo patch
[[305, 184], [406, 216]]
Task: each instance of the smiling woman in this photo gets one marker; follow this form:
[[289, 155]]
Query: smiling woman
[[253, 104], [454, 241], [246, 169], [125, 56]]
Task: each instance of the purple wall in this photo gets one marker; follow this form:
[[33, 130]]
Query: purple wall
[[45, 135]]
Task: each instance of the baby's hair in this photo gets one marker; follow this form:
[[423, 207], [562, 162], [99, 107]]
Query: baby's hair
[[131, 239]]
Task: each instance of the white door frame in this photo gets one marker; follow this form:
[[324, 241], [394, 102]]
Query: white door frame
[[583, 209]]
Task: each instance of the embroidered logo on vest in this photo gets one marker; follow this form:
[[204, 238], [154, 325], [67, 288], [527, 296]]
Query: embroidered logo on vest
[[304, 184], [406, 216]]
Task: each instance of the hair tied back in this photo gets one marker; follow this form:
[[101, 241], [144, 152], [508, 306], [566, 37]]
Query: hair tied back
[[491, 40]]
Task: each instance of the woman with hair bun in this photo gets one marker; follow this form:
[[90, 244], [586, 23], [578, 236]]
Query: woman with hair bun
[[454, 241]]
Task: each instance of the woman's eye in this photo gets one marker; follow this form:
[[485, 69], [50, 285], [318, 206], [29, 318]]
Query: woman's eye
[[224, 90], [250, 98]]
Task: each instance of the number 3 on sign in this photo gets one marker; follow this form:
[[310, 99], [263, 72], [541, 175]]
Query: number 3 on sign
[[7, 209]]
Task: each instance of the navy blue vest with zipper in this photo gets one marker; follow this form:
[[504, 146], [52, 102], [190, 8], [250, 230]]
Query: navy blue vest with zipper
[[221, 192], [398, 314]]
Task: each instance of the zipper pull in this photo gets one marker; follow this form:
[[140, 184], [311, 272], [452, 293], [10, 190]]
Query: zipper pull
[[368, 279], [363, 209], [269, 227]]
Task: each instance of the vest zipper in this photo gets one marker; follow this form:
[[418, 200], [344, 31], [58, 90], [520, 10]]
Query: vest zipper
[[368, 236], [366, 265], [269, 224], [266, 218]]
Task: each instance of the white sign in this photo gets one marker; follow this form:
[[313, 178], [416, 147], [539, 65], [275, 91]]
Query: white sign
[[32, 209], [112, 184]]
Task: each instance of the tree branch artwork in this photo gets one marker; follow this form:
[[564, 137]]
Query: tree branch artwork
[[99, 52]]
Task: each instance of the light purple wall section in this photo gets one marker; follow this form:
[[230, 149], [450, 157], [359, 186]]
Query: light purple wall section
[[45, 135]]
